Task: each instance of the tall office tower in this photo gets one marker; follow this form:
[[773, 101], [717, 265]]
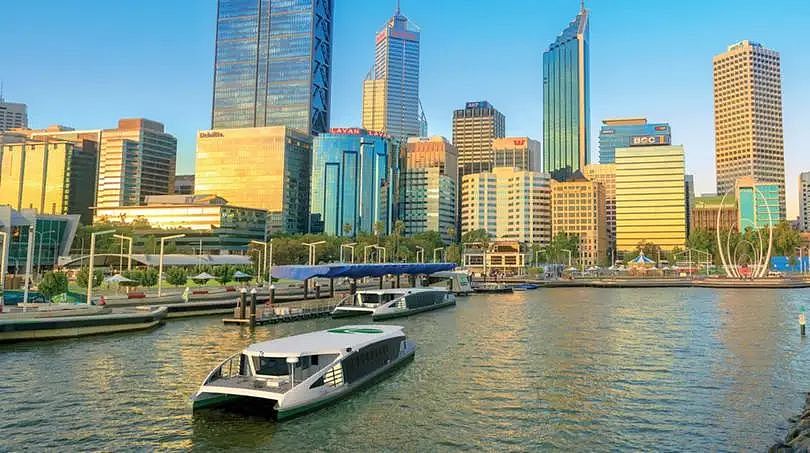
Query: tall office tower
[[748, 117], [624, 132], [135, 160], [474, 128], [259, 167], [273, 64], [566, 96], [508, 203], [650, 201], [804, 201], [578, 208], [429, 187], [391, 89], [517, 152], [353, 174], [605, 174], [689, 196], [12, 115]]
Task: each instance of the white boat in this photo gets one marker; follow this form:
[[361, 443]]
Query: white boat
[[456, 281], [290, 376], [393, 303]]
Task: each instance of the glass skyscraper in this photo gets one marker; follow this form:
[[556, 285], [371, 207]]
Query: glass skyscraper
[[626, 132], [273, 64], [353, 180], [566, 96]]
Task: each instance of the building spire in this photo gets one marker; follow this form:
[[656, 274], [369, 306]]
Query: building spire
[[397, 12], [582, 5]]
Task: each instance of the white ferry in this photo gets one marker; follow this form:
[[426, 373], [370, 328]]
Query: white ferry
[[290, 376], [456, 281], [393, 303]]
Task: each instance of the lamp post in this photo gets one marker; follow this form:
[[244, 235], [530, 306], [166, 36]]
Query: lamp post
[[160, 262], [420, 250], [90, 264], [384, 256], [262, 262], [437, 249], [3, 259], [569, 256], [365, 252], [39, 253], [129, 253], [349, 246], [311, 246]]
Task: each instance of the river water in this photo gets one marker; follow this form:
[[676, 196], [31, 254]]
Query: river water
[[601, 369]]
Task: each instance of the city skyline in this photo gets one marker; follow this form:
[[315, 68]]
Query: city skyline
[[642, 76]]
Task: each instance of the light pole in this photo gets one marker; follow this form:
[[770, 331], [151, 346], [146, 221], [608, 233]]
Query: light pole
[[90, 264], [262, 262], [437, 249], [160, 262], [420, 250], [311, 246], [129, 253], [29, 259], [569, 256], [365, 252], [384, 256], [39, 253], [3, 259], [349, 246]]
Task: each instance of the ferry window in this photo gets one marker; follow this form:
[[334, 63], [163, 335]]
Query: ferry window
[[317, 383], [272, 366], [314, 360]]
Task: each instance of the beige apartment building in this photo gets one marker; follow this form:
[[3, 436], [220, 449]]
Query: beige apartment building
[[578, 208], [429, 186], [605, 174]]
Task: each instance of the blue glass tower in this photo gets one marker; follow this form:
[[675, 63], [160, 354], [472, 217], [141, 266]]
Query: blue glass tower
[[352, 182], [627, 132], [566, 96], [273, 64]]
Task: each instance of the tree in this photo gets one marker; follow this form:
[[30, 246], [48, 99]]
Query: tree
[[480, 236], [150, 277], [451, 232], [785, 239], [53, 283], [224, 274], [81, 278], [347, 229], [176, 276], [379, 230]]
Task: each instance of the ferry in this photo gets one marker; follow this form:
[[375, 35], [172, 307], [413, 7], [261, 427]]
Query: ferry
[[393, 303], [290, 376], [496, 288], [456, 281]]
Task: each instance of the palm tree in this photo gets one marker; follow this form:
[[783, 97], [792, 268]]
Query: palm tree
[[347, 229]]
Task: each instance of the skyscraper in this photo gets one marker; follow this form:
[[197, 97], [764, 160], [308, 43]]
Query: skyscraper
[[566, 96], [517, 152], [273, 64], [804, 201], [391, 89], [748, 117], [624, 132], [474, 128], [578, 208], [429, 187], [12, 115]]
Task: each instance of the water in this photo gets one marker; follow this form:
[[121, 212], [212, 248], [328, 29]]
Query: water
[[618, 369]]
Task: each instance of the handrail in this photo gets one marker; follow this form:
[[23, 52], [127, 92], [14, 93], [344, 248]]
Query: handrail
[[216, 373]]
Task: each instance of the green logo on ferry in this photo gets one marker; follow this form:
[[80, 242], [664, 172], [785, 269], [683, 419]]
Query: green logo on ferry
[[360, 330]]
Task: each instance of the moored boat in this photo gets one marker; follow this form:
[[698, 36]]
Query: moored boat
[[493, 288], [458, 282], [394, 302], [525, 287], [290, 376]]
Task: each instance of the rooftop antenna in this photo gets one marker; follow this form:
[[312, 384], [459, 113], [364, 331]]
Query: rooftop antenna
[[397, 13], [1, 91], [582, 5]]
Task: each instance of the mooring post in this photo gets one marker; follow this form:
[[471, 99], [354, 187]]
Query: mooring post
[[331, 287], [306, 289], [397, 280], [272, 298], [802, 322], [381, 282], [317, 290], [353, 286], [253, 308], [242, 303]]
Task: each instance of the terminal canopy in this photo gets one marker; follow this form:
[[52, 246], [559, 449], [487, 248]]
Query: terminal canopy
[[300, 272]]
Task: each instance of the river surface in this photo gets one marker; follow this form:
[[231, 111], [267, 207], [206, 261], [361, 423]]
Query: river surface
[[569, 368]]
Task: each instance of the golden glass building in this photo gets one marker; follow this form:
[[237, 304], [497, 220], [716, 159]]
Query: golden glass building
[[748, 117], [650, 197], [262, 168], [429, 185], [605, 174], [578, 208]]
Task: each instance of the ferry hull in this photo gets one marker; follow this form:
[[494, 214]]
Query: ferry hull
[[343, 312], [413, 311]]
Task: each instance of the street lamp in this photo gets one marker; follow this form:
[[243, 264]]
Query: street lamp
[[569, 256], [437, 249], [261, 263], [3, 258], [384, 258], [349, 246], [311, 246], [129, 254], [39, 253], [160, 262], [365, 252], [90, 265], [420, 250]]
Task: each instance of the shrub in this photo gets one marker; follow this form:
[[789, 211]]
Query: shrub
[[53, 283], [176, 276]]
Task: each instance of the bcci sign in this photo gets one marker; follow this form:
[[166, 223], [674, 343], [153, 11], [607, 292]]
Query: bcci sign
[[649, 140]]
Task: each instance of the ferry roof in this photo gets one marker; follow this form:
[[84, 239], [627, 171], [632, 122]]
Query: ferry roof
[[325, 341], [300, 272]]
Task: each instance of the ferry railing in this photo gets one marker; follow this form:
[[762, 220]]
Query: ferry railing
[[227, 369]]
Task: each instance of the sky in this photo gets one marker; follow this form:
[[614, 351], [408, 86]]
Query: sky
[[85, 64]]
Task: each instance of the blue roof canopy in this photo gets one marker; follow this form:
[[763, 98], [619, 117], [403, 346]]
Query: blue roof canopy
[[299, 272]]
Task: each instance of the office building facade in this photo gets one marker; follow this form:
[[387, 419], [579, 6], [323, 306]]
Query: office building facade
[[605, 174], [391, 90], [263, 168], [566, 95], [517, 152], [757, 203], [12, 115], [474, 128], [650, 201], [183, 185], [52, 237], [705, 210], [429, 187], [804, 202], [353, 182], [748, 117], [273, 64], [626, 132], [578, 208]]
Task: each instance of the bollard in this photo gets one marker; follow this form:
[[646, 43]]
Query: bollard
[[331, 288], [272, 298], [802, 322], [381, 283], [306, 289], [353, 286], [317, 290], [253, 308], [398, 280], [242, 303]]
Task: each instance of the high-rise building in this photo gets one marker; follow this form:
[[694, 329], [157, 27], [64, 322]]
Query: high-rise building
[[273, 64], [566, 94], [183, 185], [262, 168], [705, 210], [135, 160], [578, 208], [605, 174], [508, 203], [804, 202], [52, 237], [689, 196], [353, 182], [12, 115], [748, 117], [51, 176], [650, 201], [626, 132], [517, 152], [391, 90], [757, 203], [474, 128], [429, 187]]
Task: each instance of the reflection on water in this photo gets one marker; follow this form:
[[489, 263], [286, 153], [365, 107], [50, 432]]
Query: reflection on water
[[675, 369]]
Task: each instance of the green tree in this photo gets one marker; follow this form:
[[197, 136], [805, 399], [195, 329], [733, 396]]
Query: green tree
[[224, 274], [379, 230], [81, 278], [347, 229], [785, 239], [176, 276], [53, 283], [480, 236], [150, 277]]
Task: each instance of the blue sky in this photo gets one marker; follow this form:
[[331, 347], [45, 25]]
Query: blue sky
[[85, 64]]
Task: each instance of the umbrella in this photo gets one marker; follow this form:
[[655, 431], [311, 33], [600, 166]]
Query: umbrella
[[203, 276], [571, 269], [641, 259], [118, 278], [240, 275]]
